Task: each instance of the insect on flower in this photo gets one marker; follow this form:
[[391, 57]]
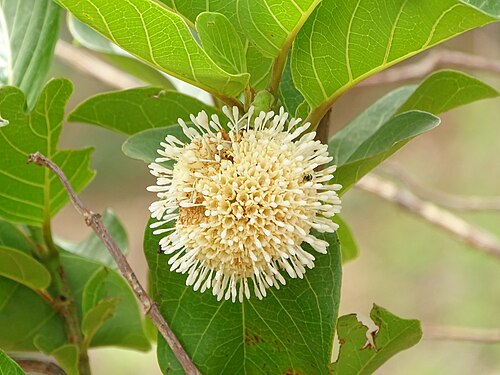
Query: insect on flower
[[239, 201]]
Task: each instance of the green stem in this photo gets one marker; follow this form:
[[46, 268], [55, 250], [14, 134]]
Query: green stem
[[277, 72], [65, 300]]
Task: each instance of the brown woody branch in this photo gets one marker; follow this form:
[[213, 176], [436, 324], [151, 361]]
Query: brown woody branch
[[39, 366], [94, 221], [451, 201], [485, 336], [432, 61], [440, 217]]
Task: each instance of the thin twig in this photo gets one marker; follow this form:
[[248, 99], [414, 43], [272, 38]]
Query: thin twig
[[432, 61], [94, 221], [485, 336], [442, 218], [39, 366], [456, 202], [94, 67]]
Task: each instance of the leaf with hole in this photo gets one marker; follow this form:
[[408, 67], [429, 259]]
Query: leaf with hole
[[362, 356]]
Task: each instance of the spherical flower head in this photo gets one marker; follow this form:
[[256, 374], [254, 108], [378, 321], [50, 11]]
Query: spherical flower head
[[240, 200]]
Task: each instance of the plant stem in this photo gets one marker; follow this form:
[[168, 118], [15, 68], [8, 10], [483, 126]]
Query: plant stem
[[94, 221], [65, 300]]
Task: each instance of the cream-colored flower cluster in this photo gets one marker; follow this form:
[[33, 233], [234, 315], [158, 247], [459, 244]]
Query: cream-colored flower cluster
[[239, 201]]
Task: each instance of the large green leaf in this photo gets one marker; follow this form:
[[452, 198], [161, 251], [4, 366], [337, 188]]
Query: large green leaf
[[92, 247], [18, 266], [134, 110], [94, 41], [28, 34], [8, 366], [289, 331], [360, 356], [382, 129], [159, 37], [343, 42], [32, 194], [143, 145]]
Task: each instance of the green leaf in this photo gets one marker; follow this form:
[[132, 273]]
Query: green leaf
[[92, 293], [257, 64], [220, 40], [345, 42], [143, 145], [93, 248], [94, 41], [360, 356], [96, 316], [12, 236], [32, 194], [158, 37], [125, 329], [17, 266], [289, 331], [28, 34], [348, 245], [271, 25], [389, 138], [445, 90], [259, 67], [439, 92], [67, 356], [134, 110], [8, 366], [24, 316]]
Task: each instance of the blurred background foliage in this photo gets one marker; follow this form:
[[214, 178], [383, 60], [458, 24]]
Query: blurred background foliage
[[405, 264]]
